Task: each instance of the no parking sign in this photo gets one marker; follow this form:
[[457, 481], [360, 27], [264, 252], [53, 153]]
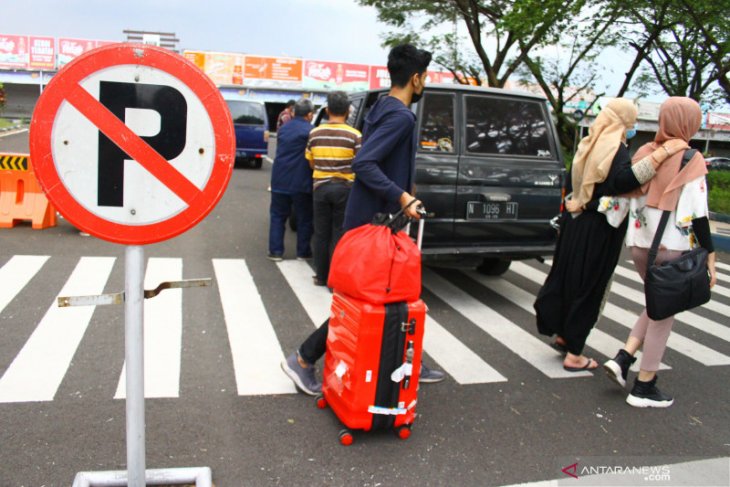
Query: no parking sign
[[135, 145], [132, 144]]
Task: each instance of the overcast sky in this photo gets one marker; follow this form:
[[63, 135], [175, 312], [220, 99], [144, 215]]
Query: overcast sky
[[334, 30], [337, 30]]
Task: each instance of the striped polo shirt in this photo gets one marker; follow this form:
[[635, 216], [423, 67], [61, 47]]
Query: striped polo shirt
[[330, 150]]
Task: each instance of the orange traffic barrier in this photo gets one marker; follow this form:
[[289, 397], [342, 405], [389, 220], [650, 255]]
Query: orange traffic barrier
[[21, 197]]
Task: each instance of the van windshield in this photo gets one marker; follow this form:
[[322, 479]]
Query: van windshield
[[246, 112]]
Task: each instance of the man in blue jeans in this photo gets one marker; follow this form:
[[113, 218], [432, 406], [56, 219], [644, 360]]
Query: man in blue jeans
[[291, 184], [385, 169]]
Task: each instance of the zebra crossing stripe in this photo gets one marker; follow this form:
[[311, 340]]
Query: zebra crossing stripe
[[255, 349], [690, 348], [37, 371], [460, 362], [316, 300], [162, 333], [512, 336], [597, 340], [722, 265], [16, 274]]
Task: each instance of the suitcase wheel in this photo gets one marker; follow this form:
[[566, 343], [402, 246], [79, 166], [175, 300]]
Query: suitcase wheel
[[346, 437], [403, 432], [321, 402]]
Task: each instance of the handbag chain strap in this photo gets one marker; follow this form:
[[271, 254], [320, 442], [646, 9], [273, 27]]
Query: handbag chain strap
[[688, 154]]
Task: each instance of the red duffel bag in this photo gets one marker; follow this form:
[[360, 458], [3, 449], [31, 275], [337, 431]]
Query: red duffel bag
[[377, 264]]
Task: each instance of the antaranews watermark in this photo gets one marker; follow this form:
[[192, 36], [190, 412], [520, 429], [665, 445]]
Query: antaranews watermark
[[642, 471]]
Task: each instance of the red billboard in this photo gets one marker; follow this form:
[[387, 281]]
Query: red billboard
[[69, 49], [718, 121], [42, 53], [379, 77], [332, 75], [13, 51], [439, 77]]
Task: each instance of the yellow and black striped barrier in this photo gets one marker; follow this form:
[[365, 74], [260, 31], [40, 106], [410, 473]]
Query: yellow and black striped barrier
[[21, 197], [14, 162]]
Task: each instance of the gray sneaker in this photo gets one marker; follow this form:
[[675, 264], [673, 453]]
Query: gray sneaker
[[303, 377], [430, 375]]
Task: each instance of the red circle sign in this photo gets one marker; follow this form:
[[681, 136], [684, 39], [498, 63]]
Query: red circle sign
[[132, 143]]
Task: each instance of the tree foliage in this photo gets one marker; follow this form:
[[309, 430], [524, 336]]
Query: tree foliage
[[678, 46]]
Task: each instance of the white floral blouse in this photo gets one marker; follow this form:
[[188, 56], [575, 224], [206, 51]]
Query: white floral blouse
[[644, 220]]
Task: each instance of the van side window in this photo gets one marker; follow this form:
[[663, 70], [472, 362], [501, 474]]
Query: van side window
[[505, 126], [437, 125], [354, 108]]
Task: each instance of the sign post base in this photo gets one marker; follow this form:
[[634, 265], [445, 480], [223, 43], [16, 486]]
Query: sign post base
[[200, 476]]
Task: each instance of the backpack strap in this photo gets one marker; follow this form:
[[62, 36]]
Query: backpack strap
[[686, 157]]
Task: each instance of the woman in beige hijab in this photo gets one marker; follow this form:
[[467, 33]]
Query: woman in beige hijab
[[683, 193], [588, 248]]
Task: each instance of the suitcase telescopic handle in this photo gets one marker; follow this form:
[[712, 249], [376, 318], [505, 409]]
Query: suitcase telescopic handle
[[419, 237]]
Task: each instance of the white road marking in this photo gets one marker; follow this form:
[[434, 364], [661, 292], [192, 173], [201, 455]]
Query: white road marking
[[522, 343], [255, 348], [37, 371]]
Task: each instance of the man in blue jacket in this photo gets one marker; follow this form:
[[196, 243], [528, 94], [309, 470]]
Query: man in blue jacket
[[384, 170], [291, 184]]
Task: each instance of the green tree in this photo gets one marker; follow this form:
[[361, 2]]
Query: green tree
[[681, 49], [571, 73], [713, 24], [501, 32], [504, 35]]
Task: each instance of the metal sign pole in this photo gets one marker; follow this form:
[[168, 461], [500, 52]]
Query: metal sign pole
[[134, 356]]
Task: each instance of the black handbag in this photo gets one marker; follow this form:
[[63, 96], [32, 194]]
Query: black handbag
[[679, 284]]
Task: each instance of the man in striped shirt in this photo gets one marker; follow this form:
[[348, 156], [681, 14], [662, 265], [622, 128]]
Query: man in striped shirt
[[330, 150]]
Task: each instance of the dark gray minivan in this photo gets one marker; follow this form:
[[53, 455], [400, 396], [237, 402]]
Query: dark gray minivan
[[489, 169]]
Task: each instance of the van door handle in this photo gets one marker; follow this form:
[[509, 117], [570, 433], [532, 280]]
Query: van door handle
[[497, 197]]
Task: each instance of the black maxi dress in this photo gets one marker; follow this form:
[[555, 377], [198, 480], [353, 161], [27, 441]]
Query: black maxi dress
[[586, 255]]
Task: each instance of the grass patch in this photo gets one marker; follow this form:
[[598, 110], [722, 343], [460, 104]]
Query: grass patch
[[719, 197], [4, 122]]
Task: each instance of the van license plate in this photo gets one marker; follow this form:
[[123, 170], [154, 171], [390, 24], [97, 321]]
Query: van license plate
[[479, 210]]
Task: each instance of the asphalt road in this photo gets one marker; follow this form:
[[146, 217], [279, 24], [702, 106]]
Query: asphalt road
[[524, 427]]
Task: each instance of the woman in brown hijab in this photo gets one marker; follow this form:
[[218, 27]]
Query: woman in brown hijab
[[588, 247], [684, 193]]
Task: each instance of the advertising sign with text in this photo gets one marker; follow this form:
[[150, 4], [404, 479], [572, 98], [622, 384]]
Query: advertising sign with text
[[439, 77], [224, 68], [379, 77], [271, 71], [331, 75], [718, 121], [42, 53], [70, 49], [13, 51]]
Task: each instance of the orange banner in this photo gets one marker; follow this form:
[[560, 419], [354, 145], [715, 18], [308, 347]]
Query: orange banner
[[271, 71]]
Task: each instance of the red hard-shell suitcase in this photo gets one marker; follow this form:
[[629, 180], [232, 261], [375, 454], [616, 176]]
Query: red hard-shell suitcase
[[372, 364]]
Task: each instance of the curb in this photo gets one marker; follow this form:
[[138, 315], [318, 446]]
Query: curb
[[721, 242], [719, 217]]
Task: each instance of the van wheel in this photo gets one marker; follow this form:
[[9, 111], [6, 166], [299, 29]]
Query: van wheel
[[256, 162], [494, 267]]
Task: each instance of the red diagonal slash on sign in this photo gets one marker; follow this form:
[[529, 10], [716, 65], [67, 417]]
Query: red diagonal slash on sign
[[131, 143]]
